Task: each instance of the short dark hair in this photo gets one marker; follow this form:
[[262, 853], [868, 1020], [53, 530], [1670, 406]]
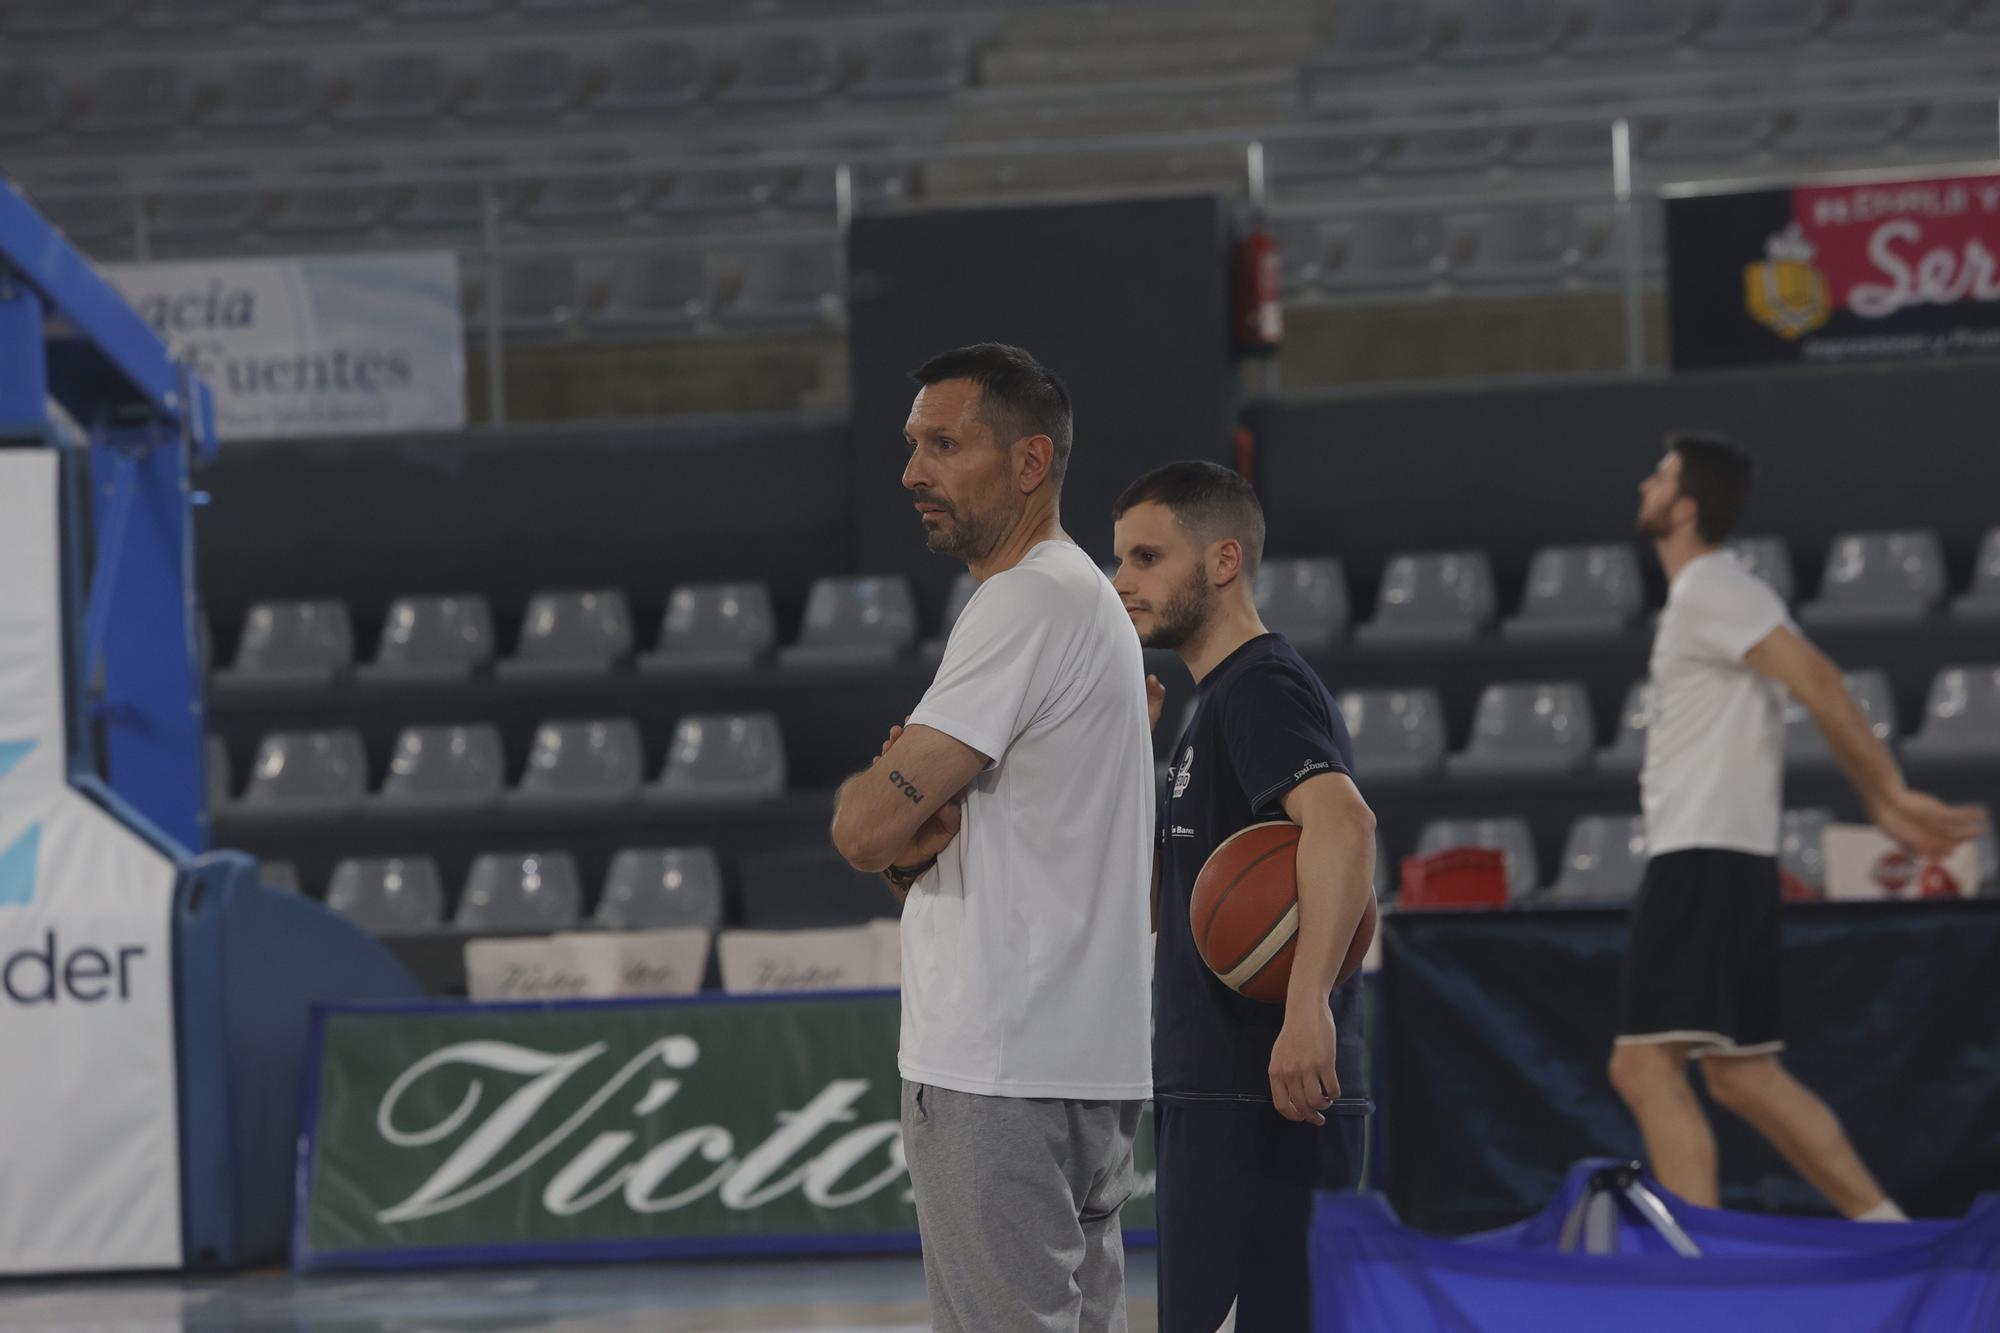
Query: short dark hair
[[1207, 499], [1018, 395], [1715, 474]]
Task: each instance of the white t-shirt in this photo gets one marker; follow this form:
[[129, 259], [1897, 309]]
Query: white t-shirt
[[1026, 950], [1715, 742]]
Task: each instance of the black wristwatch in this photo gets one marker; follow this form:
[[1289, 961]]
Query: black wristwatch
[[904, 876]]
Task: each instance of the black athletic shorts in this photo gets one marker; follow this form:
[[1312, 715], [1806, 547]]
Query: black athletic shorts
[[1701, 965]]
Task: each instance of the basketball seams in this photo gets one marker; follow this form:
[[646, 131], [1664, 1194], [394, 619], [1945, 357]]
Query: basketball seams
[[1201, 932], [1215, 909]]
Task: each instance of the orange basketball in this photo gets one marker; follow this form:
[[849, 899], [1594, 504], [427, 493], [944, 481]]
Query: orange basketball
[[1245, 912]]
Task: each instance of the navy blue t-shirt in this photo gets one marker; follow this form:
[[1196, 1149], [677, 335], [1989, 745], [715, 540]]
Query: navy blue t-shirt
[[1263, 723]]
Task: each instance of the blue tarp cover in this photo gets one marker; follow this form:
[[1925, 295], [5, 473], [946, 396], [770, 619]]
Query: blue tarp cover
[[1370, 1272]]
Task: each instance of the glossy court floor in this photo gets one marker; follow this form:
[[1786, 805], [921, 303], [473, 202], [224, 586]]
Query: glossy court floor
[[862, 1295]]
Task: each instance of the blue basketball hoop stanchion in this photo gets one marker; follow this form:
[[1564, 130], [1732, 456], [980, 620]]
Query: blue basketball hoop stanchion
[[195, 1041]]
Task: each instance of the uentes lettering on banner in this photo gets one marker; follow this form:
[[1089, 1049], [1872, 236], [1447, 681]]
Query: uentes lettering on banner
[[487, 1155]]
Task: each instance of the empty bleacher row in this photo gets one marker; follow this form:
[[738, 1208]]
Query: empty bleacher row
[[1868, 578], [662, 888]]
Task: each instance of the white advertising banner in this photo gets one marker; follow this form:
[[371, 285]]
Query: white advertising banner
[[90, 1153], [318, 345]]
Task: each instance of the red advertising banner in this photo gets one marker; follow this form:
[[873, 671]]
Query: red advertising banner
[[1888, 269]]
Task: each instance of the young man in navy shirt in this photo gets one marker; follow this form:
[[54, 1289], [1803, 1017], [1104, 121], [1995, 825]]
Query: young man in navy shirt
[[1255, 1103]]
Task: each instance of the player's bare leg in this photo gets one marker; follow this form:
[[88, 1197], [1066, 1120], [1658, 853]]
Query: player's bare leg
[[1652, 1078], [1798, 1124]]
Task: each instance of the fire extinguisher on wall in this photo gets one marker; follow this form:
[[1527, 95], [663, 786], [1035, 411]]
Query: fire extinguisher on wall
[[1260, 319]]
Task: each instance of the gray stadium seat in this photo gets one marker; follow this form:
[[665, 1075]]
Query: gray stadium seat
[[570, 632], [1799, 847], [1579, 590], [657, 292], [1893, 20], [539, 294], [611, 192], [1389, 250], [855, 620], [1295, 164], [1511, 837], [1982, 600], [265, 95], [720, 192], [307, 772], [37, 19], [787, 68], [220, 777], [792, 286], [1304, 600], [1527, 729], [661, 888], [135, 99], [1606, 262], [1704, 136], [1879, 577], [456, 767], [523, 81], [710, 625], [583, 761], [1465, 149], [352, 202], [1530, 246], [433, 638], [1842, 129], [1627, 751], [911, 62], [399, 895], [459, 204], [653, 76], [1582, 143], [1505, 30], [31, 103], [225, 205], [874, 186], [521, 891], [1434, 597], [279, 876], [1769, 559], [1374, 34], [723, 757], [1397, 734], [809, 890], [1633, 27], [102, 228], [963, 585], [294, 643], [1806, 747], [397, 89], [443, 10], [1764, 23], [1959, 124], [313, 13], [1603, 860], [1961, 715]]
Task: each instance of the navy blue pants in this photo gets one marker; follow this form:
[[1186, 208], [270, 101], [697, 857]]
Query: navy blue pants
[[1235, 1191]]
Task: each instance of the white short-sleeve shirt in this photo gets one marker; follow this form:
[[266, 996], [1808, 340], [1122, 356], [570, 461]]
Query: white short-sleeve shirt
[[1026, 949], [1715, 742]]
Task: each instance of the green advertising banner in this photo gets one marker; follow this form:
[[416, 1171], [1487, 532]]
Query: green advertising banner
[[467, 1133]]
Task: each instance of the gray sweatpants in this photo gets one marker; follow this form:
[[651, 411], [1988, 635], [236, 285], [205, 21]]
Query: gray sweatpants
[[1017, 1200]]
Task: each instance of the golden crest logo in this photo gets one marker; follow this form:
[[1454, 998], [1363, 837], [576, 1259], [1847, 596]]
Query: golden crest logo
[[1784, 292]]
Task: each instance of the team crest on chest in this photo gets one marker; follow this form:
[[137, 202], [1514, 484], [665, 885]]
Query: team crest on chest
[[1184, 772]]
